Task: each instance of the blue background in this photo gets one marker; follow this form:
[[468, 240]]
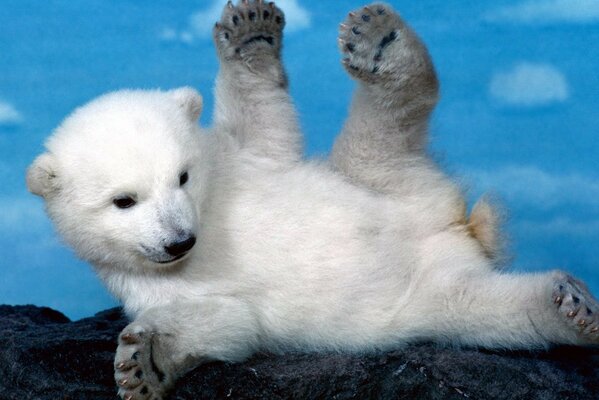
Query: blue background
[[519, 113]]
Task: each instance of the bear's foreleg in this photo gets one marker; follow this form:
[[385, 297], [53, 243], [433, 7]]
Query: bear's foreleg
[[165, 342], [252, 99]]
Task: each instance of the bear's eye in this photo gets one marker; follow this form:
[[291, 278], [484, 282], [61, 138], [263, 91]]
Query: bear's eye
[[124, 202], [183, 178]]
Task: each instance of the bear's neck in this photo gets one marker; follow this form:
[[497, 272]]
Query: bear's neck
[[139, 290]]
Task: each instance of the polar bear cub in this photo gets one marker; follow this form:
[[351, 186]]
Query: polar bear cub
[[222, 242], [125, 151]]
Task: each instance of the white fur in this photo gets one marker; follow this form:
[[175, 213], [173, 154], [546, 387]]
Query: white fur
[[289, 254], [321, 262]]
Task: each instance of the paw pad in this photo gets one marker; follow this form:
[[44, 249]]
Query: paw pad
[[136, 373], [365, 37], [249, 27], [576, 304]]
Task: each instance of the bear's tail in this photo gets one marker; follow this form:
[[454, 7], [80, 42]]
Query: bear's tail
[[484, 225]]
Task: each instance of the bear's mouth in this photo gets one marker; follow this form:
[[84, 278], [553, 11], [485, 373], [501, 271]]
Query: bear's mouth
[[172, 260], [160, 258]]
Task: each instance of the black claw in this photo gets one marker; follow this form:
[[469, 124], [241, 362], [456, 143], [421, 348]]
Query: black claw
[[355, 31], [350, 47], [365, 17]]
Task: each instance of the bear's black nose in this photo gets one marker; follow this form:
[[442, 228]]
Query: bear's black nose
[[181, 247]]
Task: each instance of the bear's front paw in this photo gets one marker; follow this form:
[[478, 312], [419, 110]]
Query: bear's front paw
[[577, 307], [249, 30], [137, 373]]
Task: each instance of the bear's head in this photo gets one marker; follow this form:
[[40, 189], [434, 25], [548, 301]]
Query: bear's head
[[123, 177]]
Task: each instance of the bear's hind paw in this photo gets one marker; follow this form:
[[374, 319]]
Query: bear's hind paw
[[577, 307]]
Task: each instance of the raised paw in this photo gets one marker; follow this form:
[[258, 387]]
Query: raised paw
[[577, 307], [136, 371], [376, 44], [250, 29]]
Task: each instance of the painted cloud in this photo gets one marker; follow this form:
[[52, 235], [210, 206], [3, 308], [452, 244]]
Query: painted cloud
[[529, 85], [8, 114], [542, 12], [531, 186]]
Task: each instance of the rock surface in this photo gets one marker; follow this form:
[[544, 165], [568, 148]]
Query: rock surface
[[43, 355]]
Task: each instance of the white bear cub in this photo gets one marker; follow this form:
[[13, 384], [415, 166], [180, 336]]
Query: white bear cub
[[130, 151], [224, 242]]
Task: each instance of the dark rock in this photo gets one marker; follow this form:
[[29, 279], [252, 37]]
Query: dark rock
[[12, 316], [45, 356]]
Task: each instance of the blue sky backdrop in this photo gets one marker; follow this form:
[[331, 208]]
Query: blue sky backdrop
[[519, 114]]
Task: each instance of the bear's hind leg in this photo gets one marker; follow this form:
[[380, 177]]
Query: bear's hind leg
[[383, 140], [511, 311]]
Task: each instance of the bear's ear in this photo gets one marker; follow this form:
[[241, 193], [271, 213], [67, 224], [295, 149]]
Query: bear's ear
[[189, 100], [41, 175]]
